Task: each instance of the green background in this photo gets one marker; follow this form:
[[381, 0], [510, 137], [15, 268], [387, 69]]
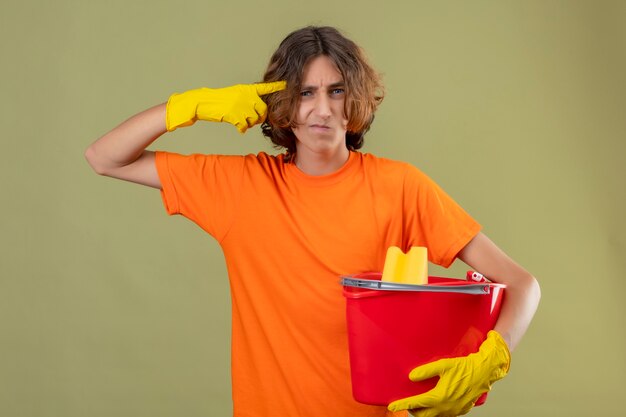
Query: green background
[[108, 307]]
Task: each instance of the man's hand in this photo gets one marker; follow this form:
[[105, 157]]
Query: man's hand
[[239, 105], [462, 380]]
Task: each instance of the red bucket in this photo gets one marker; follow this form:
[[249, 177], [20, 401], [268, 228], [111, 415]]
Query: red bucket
[[394, 329]]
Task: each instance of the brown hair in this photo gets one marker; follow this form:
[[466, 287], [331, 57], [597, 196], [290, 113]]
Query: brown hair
[[364, 89]]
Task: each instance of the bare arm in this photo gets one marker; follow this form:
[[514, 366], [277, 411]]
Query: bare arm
[[121, 153], [522, 293]]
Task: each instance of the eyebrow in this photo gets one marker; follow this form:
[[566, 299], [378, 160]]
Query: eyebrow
[[331, 86]]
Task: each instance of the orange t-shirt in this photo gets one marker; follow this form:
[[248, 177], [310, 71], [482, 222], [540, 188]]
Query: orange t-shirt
[[287, 237]]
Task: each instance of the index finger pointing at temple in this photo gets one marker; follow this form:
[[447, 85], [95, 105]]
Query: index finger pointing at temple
[[268, 88]]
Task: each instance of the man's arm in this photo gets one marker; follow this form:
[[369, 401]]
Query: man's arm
[[463, 380], [121, 153], [522, 292]]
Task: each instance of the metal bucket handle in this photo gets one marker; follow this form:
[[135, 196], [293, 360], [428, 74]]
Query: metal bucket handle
[[394, 286]]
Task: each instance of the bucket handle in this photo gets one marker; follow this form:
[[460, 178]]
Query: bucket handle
[[394, 286]]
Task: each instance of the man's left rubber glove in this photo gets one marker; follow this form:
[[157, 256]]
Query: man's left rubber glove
[[462, 380]]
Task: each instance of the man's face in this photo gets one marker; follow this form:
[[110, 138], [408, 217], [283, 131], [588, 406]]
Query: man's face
[[321, 121]]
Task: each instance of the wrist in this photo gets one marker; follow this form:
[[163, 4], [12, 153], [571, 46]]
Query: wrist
[[181, 110]]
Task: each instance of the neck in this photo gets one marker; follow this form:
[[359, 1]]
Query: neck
[[321, 164]]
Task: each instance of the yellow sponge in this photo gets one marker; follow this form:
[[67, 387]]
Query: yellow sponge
[[411, 268]]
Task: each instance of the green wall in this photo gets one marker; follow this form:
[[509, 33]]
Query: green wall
[[108, 307]]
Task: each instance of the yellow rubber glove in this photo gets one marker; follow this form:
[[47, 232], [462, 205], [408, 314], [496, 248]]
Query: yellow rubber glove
[[239, 105], [462, 380]]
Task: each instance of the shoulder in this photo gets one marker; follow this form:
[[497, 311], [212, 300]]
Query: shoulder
[[260, 159], [385, 166], [394, 173], [264, 158], [264, 161]]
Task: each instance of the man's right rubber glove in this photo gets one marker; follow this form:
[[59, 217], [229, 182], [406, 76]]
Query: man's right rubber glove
[[462, 380], [239, 105]]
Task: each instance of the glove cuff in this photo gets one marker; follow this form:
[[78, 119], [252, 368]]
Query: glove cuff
[[181, 109], [501, 351]]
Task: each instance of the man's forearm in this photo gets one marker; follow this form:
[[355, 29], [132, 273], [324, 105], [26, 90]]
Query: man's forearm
[[522, 298], [521, 295], [125, 143]]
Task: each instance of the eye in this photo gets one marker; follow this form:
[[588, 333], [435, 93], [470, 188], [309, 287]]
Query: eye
[[336, 91], [305, 93]]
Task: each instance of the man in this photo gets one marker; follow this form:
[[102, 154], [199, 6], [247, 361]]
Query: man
[[290, 225]]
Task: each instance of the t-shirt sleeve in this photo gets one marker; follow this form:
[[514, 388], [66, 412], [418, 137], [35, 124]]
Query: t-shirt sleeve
[[201, 188], [439, 223]]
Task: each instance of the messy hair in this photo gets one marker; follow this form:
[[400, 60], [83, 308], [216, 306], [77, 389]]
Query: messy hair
[[363, 86]]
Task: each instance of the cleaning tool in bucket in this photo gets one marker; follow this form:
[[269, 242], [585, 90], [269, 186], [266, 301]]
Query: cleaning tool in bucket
[[394, 328], [411, 268]]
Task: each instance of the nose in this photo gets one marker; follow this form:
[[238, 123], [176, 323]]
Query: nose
[[322, 106]]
